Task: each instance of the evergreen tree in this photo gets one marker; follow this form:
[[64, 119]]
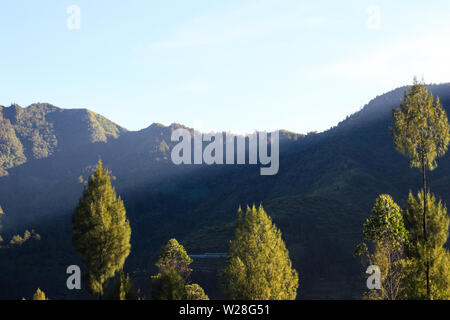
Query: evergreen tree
[[173, 262], [101, 230], [174, 257], [258, 264], [39, 295], [386, 232], [169, 285], [195, 292], [422, 133], [123, 288], [430, 249]]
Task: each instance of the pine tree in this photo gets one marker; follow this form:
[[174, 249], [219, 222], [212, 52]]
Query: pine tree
[[101, 230], [174, 257], [39, 295], [173, 262], [258, 264], [430, 249], [123, 288], [169, 285], [195, 292], [386, 233], [422, 133]]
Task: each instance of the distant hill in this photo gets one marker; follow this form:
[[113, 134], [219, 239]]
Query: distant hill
[[323, 192], [41, 130]]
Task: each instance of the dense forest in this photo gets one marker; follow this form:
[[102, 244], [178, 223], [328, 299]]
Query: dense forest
[[324, 192]]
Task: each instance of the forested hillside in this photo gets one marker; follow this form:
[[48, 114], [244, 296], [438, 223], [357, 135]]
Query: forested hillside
[[322, 193]]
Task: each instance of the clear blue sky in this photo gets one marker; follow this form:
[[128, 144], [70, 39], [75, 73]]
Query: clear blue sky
[[220, 64]]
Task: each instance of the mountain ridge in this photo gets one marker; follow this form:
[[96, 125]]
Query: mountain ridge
[[323, 192], [41, 129]]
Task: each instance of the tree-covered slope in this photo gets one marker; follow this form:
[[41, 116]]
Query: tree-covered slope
[[324, 190], [40, 130]]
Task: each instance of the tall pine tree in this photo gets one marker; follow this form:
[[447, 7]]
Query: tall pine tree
[[422, 133], [258, 264], [430, 249], [101, 230]]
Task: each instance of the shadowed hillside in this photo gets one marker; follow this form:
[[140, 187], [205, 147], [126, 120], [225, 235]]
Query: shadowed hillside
[[323, 192]]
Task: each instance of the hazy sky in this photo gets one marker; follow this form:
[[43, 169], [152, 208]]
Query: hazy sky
[[219, 64]]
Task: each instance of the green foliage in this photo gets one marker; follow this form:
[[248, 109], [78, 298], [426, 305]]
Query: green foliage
[[35, 131], [422, 133], [123, 288], [40, 130], [11, 149], [169, 285], [386, 223], [19, 240], [373, 295], [173, 270], [386, 232], [195, 292], [438, 221], [421, 127], [173, 257], [39, 295], [430, 251], [319, 205], [100, 128], [101, 230], [258, 264]]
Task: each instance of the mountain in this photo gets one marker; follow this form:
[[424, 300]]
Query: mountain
[[324, 190], [41, 130]]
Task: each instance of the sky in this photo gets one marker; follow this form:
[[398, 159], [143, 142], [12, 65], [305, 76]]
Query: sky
[[219, 65]]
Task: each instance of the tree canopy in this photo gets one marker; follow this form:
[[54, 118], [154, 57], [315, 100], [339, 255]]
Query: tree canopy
[[429, 249], [422, 133], [258, 264], [386, 233], [39, 295], [421, 127], [173, 273], [169, 285], [195, 292], [174, 257], [101, 230]]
